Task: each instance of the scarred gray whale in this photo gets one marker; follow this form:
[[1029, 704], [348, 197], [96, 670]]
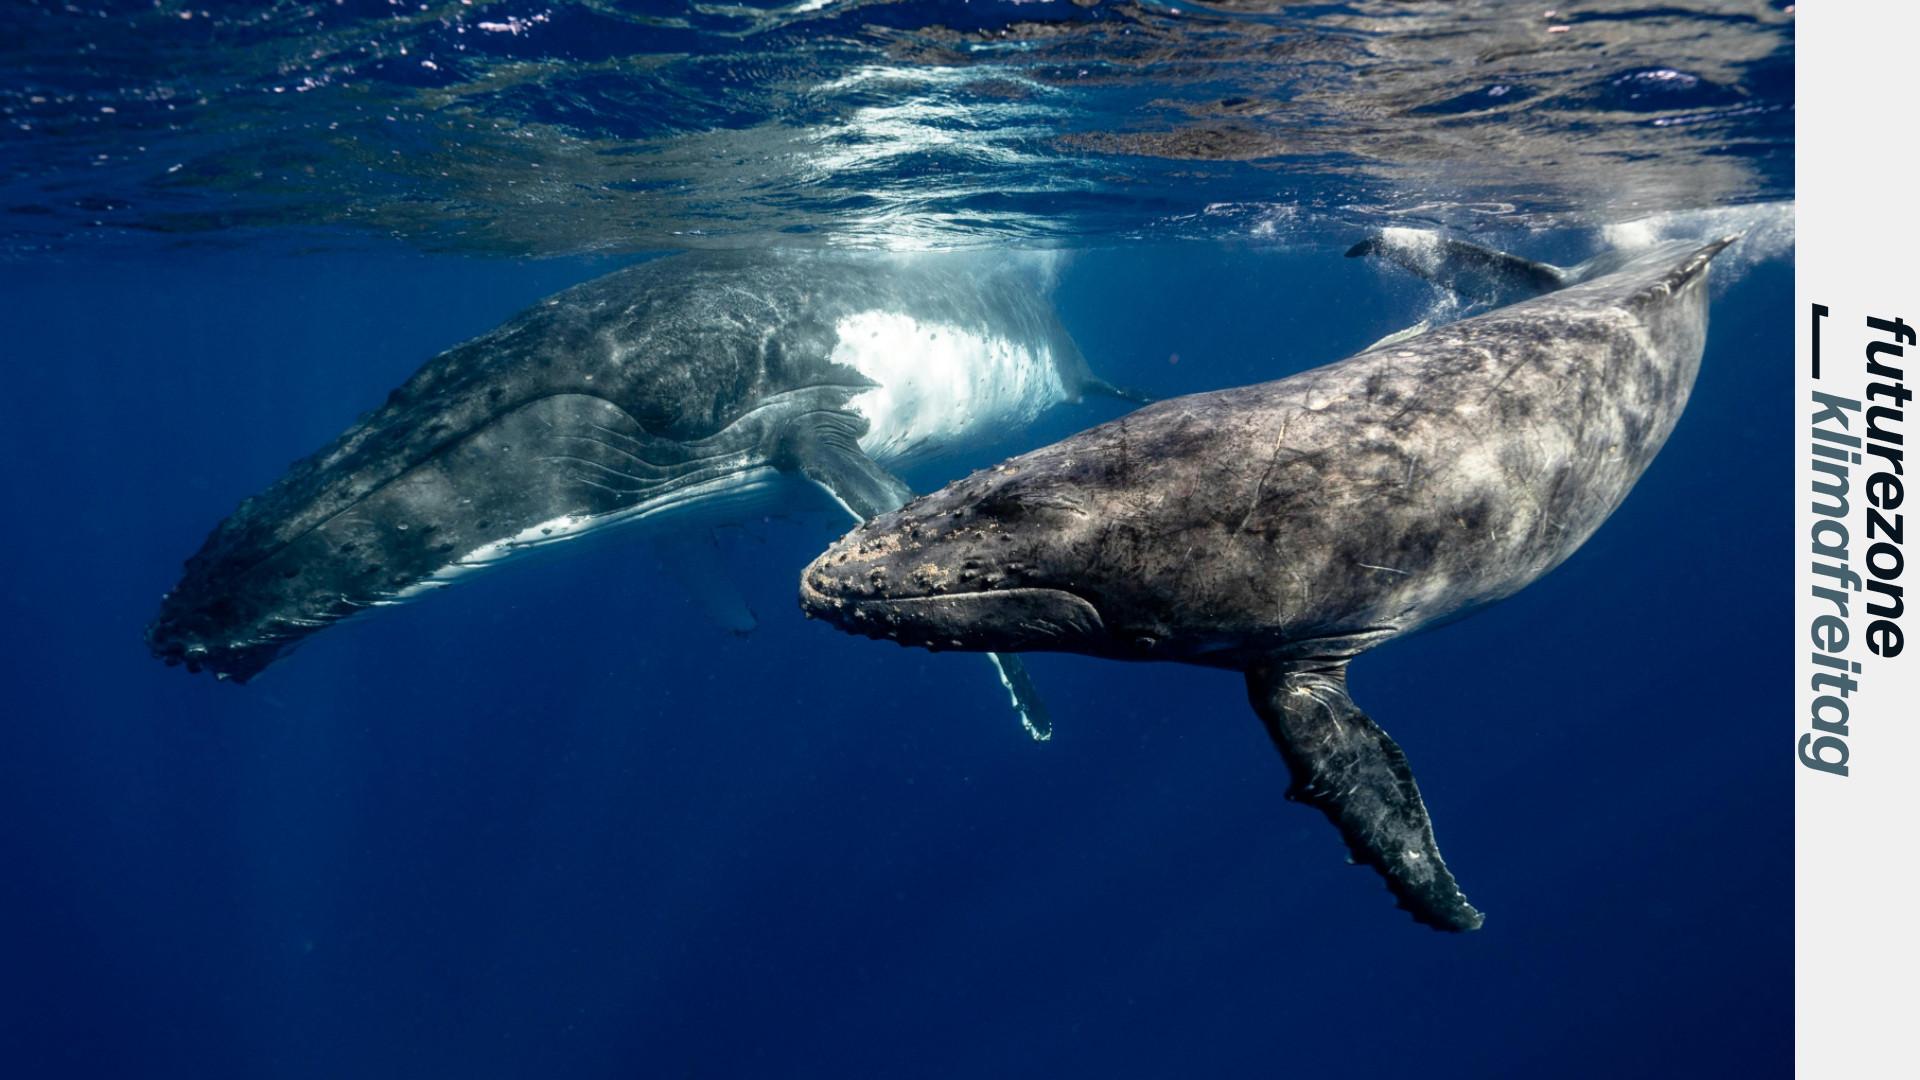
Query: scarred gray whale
[[1282, 529], [691, 389]]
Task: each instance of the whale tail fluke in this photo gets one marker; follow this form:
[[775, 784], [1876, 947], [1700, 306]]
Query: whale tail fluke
[[1472, 271], [1347, 768]]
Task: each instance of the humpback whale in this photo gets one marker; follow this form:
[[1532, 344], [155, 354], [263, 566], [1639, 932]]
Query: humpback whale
[[1281, 529], [689, 389]]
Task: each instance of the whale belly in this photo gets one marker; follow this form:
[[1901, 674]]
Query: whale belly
[[941, 386]]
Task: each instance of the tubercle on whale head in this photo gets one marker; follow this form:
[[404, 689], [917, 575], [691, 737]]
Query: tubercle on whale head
[[992, 563], [179, 637]]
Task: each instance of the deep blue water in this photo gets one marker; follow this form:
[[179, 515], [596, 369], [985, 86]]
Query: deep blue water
[[549, 823]]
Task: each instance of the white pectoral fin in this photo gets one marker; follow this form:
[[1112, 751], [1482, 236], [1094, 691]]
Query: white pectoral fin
[[693, 562], [1095, 386], [828, 453], [1026, 697]]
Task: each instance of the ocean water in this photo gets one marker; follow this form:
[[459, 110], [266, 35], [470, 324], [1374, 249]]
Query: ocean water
[[550, 822]]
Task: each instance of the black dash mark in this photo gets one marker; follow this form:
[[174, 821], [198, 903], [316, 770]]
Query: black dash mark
[[1819, 312]]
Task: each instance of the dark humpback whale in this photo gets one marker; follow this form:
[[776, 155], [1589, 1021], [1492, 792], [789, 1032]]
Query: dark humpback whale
[[687, 388], [1281, 529]]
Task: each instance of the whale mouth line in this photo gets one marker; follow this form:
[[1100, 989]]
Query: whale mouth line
[[931, 597], [1012, 619]]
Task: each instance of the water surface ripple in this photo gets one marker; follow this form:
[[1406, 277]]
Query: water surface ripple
[[547, 128]]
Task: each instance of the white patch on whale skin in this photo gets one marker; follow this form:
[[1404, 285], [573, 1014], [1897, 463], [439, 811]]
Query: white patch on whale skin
[[940, 385], [722, 499]]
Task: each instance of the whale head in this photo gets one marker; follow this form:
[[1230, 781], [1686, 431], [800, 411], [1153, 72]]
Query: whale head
[[1031, 555]]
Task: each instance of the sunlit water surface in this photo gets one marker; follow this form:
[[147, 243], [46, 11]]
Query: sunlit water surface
[[551, 823]]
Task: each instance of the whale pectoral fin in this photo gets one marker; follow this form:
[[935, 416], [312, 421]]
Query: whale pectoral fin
[[1026, 697], [828, 453], [1476, 272], [1094, 384], [826, 450], [1350, 770], [694, 566]]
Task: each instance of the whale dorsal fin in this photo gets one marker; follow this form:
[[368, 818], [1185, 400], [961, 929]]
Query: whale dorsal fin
[[824, 447], [1472, 271], [1347, 768]]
